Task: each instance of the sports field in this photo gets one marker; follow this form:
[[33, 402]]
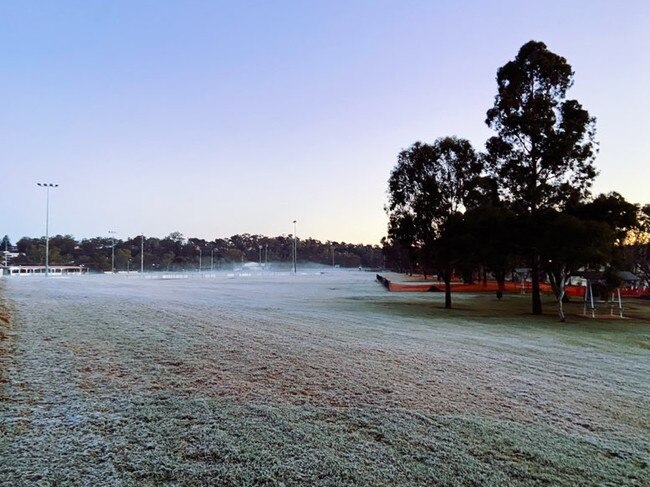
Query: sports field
[[321, 378]]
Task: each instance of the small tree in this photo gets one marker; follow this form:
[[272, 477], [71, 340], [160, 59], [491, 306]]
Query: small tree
[[568, 244]]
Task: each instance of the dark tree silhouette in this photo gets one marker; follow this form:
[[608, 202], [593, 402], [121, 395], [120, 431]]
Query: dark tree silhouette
[[544, 149], [428, 188]]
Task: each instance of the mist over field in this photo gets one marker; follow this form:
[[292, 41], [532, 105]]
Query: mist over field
[[315, 378]]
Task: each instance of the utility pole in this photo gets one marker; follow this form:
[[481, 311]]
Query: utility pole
[[47, 187], [295, 253], [112, 233]]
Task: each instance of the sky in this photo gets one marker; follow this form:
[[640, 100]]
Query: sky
[[218, 118]]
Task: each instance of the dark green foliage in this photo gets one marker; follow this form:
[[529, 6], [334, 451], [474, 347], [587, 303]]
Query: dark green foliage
[[611, 209], [526, 202], [612, 280], [637, 250], [31, 251], [493, 231], [402, 249], [569, 244], [429, 189], [431, 182], [544, 149], [175, 252]]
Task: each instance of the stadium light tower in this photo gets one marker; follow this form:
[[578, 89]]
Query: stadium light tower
[[295, 255], [47, 187], [112, 233]]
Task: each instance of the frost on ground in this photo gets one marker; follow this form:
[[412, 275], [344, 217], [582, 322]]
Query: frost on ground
[[314, 379]]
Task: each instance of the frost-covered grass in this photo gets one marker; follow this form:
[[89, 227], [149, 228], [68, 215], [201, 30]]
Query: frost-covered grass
[[166, 438], [315, 379]]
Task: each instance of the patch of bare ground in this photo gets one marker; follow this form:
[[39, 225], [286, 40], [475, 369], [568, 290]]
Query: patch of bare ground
[[6, 337], [316, 380]]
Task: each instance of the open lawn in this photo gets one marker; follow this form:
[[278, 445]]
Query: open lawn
[[318, 379]]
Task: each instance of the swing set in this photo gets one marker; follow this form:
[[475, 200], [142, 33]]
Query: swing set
[[598, 300]]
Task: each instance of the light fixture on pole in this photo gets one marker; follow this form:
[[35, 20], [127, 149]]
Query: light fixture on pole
[[295, 255], [47, 187], [112, 233]]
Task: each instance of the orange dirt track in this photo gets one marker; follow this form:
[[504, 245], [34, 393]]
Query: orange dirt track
[[417, 283]]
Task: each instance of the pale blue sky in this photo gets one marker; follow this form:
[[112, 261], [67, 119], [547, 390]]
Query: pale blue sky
[[216, 118]]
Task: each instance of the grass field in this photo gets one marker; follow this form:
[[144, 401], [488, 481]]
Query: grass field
[[316, 379]]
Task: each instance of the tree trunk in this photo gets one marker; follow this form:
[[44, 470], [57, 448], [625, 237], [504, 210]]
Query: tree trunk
[[537, 300], [446, 275], [558, 283], [501, 283], [447, 293], [560, 309]]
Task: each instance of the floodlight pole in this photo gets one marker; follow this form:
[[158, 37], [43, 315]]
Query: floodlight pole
[[260, 247], [142, 253], [112, 232], [266, 256], [295, 256], [212, 259], [47, 187]]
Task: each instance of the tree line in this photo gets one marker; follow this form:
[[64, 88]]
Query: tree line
[[524, 202], [175, 252]]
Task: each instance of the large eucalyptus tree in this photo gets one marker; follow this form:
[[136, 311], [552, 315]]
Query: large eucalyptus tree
[[544, 149]]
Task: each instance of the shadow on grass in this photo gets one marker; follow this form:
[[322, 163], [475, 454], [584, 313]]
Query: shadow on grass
[[512, 315], [513, 309]]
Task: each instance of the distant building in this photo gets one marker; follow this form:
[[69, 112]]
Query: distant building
[[35, 270], [7, 255]]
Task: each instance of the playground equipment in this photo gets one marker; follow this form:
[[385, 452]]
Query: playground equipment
[[597, 280]]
